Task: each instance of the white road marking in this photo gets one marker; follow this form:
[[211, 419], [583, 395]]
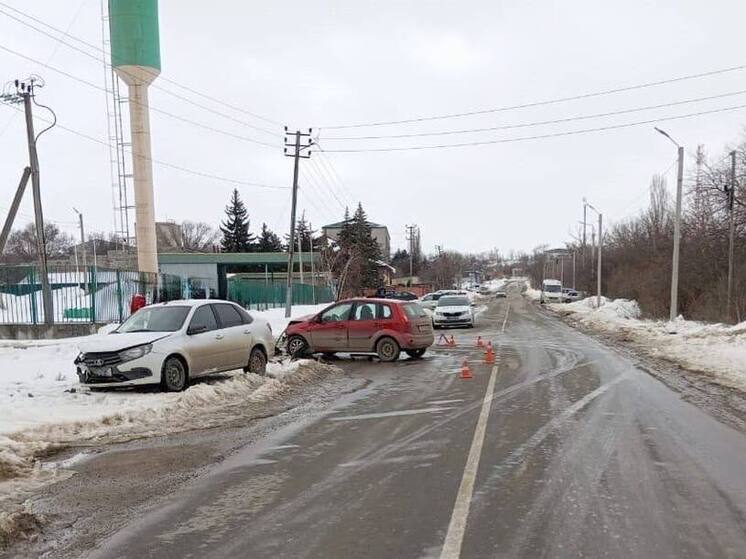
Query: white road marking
[[441, 402], [457, 526], [389, 414], [507, 311]]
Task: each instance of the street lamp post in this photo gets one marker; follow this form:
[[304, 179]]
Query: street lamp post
[[676, 229], [600, 244]]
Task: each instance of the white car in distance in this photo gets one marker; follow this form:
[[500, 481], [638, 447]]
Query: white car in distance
[[171, 343], [551, 291], [453, 310]]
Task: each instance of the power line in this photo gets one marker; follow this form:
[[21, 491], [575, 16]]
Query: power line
[[327, 164], [325, 184], [539, 103], [312, 180], [163, 78], [538, 123], [170, 165], [154, 109], [538, 136]]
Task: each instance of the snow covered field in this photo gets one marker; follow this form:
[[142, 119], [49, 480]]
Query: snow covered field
[[43, 407], [716, 350]]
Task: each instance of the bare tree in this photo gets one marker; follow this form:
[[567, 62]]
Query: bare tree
[[198, 236], [21, 245]]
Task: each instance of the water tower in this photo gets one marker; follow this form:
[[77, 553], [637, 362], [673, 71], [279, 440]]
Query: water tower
[[136, 58]]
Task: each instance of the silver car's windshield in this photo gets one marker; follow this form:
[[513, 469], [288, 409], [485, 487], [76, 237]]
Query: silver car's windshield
[[552, 288], [449, 301], [155, 319]]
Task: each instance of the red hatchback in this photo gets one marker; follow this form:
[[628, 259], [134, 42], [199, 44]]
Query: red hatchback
[[382, 326]]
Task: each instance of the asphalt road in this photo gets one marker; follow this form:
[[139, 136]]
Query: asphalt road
[[563, 448]]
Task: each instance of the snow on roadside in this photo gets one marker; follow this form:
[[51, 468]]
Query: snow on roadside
[[83, 418], [717, 350]]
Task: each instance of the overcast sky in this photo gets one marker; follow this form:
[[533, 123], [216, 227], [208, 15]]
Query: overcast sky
[[320, 64]]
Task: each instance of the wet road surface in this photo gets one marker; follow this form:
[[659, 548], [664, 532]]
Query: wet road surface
[[563, 448]]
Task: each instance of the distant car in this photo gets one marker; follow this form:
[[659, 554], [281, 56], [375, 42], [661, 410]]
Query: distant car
[[501, 293], [484, 290], [551, 291], [171, 343], [388, 293], [363, 325], [570, 295], [453, 310], [429, 301]]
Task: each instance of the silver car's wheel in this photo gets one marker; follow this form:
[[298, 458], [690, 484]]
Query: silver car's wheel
[[387, 349], [174, 376], [257, 361]]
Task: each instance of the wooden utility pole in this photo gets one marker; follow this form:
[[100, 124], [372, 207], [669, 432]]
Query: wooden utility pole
[[297, 156]]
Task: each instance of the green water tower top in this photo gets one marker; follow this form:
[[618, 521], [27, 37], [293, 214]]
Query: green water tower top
[[133, 25]]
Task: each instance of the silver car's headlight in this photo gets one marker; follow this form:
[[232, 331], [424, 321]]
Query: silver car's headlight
[[135, 352]]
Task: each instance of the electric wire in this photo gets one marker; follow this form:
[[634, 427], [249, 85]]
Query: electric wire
[[537, 123], [166, 164], [538, 136], [540, 103], [334, 184], [324, 183], [154, 109], [163, 78]]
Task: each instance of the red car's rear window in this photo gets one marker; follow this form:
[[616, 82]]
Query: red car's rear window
[[414, 310]]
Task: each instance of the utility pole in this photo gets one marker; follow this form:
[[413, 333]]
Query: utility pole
[[598, 273], [313, 272], [25, 94], [300, 249], [297, 156], [411, 237], [14, 208], [732, 232], [573, 269], [676, 229], [82, 237], [585, 223], [600, 245]]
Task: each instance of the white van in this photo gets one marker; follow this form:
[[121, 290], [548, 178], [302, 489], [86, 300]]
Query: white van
[[551, 291]]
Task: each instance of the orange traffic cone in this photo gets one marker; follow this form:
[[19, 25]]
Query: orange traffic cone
[[465, 371], [489, 357], [480, 343]]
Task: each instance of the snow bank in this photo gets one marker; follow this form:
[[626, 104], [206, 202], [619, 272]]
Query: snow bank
[[716, 350], [532, 294], [43, 407]]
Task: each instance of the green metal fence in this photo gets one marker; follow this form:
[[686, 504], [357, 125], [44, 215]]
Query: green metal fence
[[79, 294], [262, 295]]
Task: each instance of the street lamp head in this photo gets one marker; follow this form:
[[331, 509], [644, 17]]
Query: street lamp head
[[664, 133]]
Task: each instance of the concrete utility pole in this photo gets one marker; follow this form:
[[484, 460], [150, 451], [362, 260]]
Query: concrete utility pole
[[732, 232], [676, 230], [411, 236], [27, 93], [14, 208], [297, 156], [585, 225], [300, 251], [313, 272], [82, 237], [600, 244]]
